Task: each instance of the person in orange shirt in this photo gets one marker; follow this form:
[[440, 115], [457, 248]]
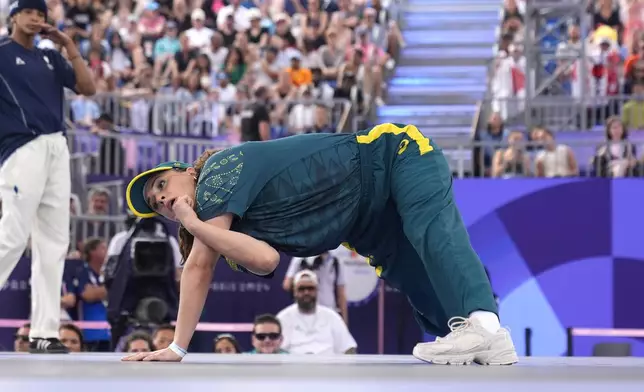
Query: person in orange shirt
[[632, 64], [635, 56], [299, 76]]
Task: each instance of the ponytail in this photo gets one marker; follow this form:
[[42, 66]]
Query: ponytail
[[185, 238]]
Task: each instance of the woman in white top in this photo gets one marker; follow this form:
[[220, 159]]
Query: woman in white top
[[555, 160]]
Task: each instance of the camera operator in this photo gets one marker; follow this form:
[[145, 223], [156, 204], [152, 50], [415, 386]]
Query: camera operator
[[141, 276], [117, 243]]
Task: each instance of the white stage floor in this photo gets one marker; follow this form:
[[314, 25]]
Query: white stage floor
[[284, 373]]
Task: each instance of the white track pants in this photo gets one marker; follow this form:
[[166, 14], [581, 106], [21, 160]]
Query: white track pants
[[35, 188]]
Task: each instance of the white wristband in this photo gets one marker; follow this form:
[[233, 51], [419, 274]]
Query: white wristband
[[177, 350]]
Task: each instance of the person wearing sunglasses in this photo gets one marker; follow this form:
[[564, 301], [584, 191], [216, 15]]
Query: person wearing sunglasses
[[267, 335], [21, 341]]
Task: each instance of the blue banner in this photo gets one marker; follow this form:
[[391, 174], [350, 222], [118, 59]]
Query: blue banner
[[561, 253]]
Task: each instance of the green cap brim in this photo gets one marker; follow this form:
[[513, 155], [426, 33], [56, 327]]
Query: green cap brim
[[135, 192]]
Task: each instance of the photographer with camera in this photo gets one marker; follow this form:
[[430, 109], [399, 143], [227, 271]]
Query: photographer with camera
[[141, 277]]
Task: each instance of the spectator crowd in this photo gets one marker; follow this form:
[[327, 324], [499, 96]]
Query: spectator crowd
[[187, 67], [316, 322], [231, 70], [599, 89]]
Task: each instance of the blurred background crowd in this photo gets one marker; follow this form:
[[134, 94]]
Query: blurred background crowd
[[564, 97], [574, 98], [187, 67]]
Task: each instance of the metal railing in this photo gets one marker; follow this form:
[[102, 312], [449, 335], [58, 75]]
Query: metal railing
[[103, 227], [564, 113], [131, 154], [572, 155], [586, 156], [125, 154], [547, 65], [84, 227], [153, 129], [167, 115], [108, 160]]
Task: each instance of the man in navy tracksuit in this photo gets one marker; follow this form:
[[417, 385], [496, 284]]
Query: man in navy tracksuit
[[35, 180]]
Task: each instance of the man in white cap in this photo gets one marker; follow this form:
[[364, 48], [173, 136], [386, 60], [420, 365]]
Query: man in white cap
[[331, 281], [310, 328], [199, 35]]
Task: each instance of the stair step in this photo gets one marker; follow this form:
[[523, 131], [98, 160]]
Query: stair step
[[448, 2], [447, 53], [453, 140], [435, 95], [452, 72], [446, 132], [420, 23], [434, 99], [485, 48], [443, 62], [433, 122], [442, 72], [429, 18], [455, 8], [431, 36], [425, 110], [422, 84]]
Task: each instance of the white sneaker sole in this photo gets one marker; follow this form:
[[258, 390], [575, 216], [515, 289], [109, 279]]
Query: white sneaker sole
[[486, 358]]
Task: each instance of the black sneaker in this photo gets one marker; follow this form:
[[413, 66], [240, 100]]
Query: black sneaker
[[47, 346]]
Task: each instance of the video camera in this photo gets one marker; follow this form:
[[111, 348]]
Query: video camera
[[140, 281]]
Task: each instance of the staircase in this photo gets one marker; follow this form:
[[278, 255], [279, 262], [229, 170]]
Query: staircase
[[441, 74]]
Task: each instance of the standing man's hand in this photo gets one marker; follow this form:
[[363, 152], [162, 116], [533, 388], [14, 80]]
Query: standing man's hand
[[84, 78], [55, 35]]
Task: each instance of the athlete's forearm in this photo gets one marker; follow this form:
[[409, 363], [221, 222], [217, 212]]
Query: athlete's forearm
[[256, 256], [84, 81], [195, 282]]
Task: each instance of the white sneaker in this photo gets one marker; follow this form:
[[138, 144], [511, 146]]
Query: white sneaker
[[469, 342]]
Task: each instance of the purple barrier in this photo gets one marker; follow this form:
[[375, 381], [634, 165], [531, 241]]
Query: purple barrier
[[149, 150]]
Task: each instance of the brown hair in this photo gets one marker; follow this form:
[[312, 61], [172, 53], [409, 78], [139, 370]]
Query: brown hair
[[89, 246], [267, 319], [609, 124], [139, 335], [230, 338], [185, 238]]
